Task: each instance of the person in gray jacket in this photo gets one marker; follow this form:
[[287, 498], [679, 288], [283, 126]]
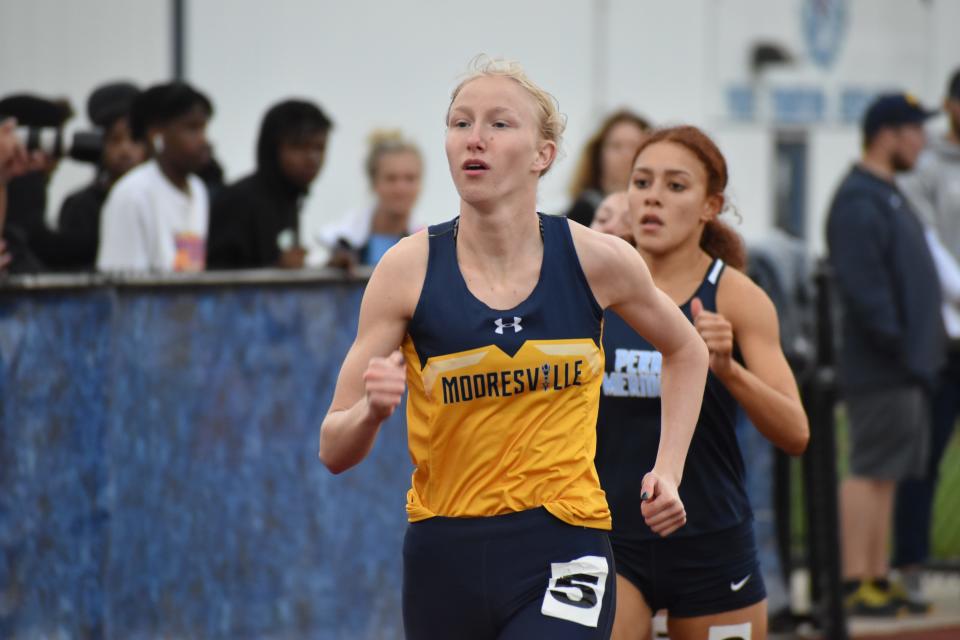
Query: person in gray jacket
[[933, 190], [892, 343]]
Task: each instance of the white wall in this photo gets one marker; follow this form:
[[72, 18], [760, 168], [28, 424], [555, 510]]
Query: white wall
[[65, 49], [832, 152], [374, 63], [749, 154], [378, 64]]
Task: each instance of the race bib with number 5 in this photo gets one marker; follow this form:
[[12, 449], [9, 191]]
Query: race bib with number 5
[[575, 590]]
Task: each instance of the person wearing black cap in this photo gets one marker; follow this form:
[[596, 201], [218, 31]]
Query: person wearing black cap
[[892, 347], [933, 190], [255, 222], [78, 224], [155, 217]]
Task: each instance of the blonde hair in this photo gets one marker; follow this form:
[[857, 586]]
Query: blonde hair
[[384, 141], [551, 121]]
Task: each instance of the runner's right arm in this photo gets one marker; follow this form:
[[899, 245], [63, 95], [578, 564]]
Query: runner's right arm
[[621, 282], [372, 378]]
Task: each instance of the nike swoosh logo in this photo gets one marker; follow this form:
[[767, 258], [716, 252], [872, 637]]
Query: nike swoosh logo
[[736, 586]]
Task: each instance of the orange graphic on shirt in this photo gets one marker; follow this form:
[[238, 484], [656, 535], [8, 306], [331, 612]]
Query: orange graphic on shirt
[[191, 252]]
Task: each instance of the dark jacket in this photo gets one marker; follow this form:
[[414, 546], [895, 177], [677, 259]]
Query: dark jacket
[[72, 246], [246, 220], [247, 217], [22, 258], [585, 206], [77, 237], [886, 280]]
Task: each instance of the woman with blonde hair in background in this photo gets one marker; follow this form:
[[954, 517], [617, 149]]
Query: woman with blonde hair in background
[[394, 166]]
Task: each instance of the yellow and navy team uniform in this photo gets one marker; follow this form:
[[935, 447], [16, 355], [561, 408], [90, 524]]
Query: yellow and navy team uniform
[[710, 564], [507, 536]]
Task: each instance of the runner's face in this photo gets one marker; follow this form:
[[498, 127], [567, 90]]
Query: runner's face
[[613, 217], [493, 143], [668, 199]]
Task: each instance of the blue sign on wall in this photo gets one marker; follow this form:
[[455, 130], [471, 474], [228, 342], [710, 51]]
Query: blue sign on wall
[[798, 105], [824, 24]]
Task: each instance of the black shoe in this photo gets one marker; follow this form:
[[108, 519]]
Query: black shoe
[[782, 621]]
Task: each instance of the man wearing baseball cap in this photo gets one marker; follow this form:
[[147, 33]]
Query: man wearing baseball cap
[[893, 343], [933, 190]]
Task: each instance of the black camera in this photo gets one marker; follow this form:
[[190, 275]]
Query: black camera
[[84, 146]]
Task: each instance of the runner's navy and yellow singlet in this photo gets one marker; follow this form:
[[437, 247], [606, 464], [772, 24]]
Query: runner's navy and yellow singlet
[[502, 404]]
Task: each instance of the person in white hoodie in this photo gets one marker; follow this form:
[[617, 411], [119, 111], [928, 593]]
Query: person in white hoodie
[[933, 190]]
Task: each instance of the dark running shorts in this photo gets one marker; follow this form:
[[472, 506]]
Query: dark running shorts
[[889, 433], [516, 576], [694, 576]]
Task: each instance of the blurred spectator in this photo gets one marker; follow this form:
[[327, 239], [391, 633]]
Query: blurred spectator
[[613, 216], [212, 175], [73, 246], [933, 190], [255, 222], [15, 255], [892, 346], [778, 263], [155, 218], [27, 191], [605, 163], [395, 169]]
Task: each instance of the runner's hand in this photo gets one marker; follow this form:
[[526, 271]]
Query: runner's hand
[[661, 506], [717, 332], [384, 382]]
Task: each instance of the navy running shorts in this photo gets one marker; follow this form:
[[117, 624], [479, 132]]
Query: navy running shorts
[[509, 577], [695, 575]]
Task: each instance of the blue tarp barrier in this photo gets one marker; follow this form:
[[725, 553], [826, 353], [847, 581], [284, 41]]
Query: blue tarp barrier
[[159, 473]]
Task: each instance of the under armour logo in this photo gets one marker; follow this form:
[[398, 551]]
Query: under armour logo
[[501, 325]]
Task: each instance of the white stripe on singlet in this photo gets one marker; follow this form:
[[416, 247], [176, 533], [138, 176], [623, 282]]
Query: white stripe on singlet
[[715, 272]]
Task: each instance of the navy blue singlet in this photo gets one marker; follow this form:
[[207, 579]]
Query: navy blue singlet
[[628, 433]]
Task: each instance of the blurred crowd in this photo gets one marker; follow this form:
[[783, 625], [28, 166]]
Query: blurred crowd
[[158, 201]]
